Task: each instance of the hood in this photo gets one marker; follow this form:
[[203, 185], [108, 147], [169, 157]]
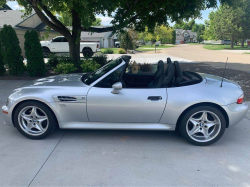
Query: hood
[[44, 42], [216, 81], [70, 80]]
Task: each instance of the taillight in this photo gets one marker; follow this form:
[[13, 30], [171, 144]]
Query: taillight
[[240, 100], [97, 46]]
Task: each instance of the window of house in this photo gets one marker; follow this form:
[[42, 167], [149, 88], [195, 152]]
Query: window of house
[[185, 34]]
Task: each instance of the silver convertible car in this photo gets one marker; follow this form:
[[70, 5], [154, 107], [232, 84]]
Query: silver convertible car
[[119, 96]]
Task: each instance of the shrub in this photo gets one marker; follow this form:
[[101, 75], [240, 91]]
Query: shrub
[[90, 66], [53, 61], [127, 41], [11, 51], [65, 68], [2, 68], [101, 59], [121, 51], [34, 54], [108, 51]]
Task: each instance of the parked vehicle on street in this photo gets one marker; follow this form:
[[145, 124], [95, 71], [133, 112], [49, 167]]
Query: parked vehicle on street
[[117, 96], [60, 44], [227, 42], [182, 42], [117, 44]]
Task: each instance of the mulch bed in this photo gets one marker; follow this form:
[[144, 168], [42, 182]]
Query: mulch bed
[[240, 77]]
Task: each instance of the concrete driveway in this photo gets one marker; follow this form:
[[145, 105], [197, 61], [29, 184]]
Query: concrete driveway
[[121, 158]]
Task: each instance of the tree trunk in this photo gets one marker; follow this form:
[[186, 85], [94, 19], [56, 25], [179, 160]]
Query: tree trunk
[[232, 41], [242, 42], [74, 40]]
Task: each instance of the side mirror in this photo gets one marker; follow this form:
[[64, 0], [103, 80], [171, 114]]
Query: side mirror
[[52, 40], [116, 87]]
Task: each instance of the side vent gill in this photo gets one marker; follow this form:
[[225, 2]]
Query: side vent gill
[[66, 98]]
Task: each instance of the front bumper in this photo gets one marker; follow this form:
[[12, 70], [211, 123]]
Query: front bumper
[[6, 115], [236, 112]]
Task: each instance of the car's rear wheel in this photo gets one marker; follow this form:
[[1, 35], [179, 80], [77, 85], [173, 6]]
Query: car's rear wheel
[[34, 120], [203, 125], [87, 53]]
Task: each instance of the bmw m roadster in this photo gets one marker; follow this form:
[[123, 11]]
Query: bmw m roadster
[[120, 96]]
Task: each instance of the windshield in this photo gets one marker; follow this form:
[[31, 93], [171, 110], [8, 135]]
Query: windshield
[[89, 79]]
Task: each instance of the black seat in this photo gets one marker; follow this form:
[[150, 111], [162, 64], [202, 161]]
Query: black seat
[[169, 60], [158, 74], [169, 76], [178, 74]]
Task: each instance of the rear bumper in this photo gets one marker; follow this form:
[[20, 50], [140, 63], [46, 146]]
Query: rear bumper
[[6, 115], [236, 112]]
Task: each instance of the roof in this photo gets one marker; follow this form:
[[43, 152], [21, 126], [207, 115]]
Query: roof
[[5, 7], [94, 34], [10, 17]]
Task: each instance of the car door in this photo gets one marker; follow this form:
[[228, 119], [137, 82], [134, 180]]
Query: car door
[[130, 105], [56, 45], [65, 45]]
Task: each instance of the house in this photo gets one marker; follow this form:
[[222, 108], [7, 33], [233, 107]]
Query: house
[[185, 35], [106, 39], [21, 24]]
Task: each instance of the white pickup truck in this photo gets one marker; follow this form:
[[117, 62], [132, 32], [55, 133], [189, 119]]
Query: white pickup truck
[[60, 44]]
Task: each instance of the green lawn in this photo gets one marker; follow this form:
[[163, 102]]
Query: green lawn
[[193, 44], [246, 53], [222, 47], [114, 49]]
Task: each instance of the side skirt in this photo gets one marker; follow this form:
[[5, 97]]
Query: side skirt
[[117, 126]]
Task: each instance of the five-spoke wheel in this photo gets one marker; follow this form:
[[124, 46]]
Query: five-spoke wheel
[[34, 120], [203, 125]]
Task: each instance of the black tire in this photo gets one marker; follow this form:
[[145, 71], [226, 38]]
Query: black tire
[[52, 125], [117, 46], [46, 52], [87, 53], [184, 122]]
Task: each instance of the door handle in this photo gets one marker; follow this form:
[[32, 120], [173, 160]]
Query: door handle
[[154, 98]]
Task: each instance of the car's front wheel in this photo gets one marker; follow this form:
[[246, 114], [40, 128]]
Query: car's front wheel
[[34, 120], [203, 125]]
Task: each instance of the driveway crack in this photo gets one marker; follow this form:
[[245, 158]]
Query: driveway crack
[[47, 159]]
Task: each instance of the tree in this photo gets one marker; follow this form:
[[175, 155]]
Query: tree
[[173, 37], [209, 33], [2, 68], [227, 23], [163, 33], [97, 22], [126, 41], [11, 51], [126, 13], [34, 54], [199, 28], [185, 25]]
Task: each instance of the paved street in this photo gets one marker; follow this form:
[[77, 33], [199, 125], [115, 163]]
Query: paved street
[[121, 158]]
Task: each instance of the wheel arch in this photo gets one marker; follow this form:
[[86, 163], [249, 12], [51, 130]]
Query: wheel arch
[[87, 48], [44, 47], [23, 101], [200, 104]]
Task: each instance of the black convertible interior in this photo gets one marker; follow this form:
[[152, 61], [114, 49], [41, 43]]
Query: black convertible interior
[[171, 76]]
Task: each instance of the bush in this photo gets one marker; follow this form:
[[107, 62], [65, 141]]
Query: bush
[[108, 51], [127, 41], [90, 66], [2, 68], [101, 59], [11, 51], [65, 68], [121, 51], [34, 54], [53, 61]]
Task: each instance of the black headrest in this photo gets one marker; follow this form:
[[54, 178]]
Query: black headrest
[[178, 74], [170, 68], [160, 69], [169, 60]]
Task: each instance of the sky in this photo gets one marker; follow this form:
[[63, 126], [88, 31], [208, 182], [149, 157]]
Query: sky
[[106, 20]]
